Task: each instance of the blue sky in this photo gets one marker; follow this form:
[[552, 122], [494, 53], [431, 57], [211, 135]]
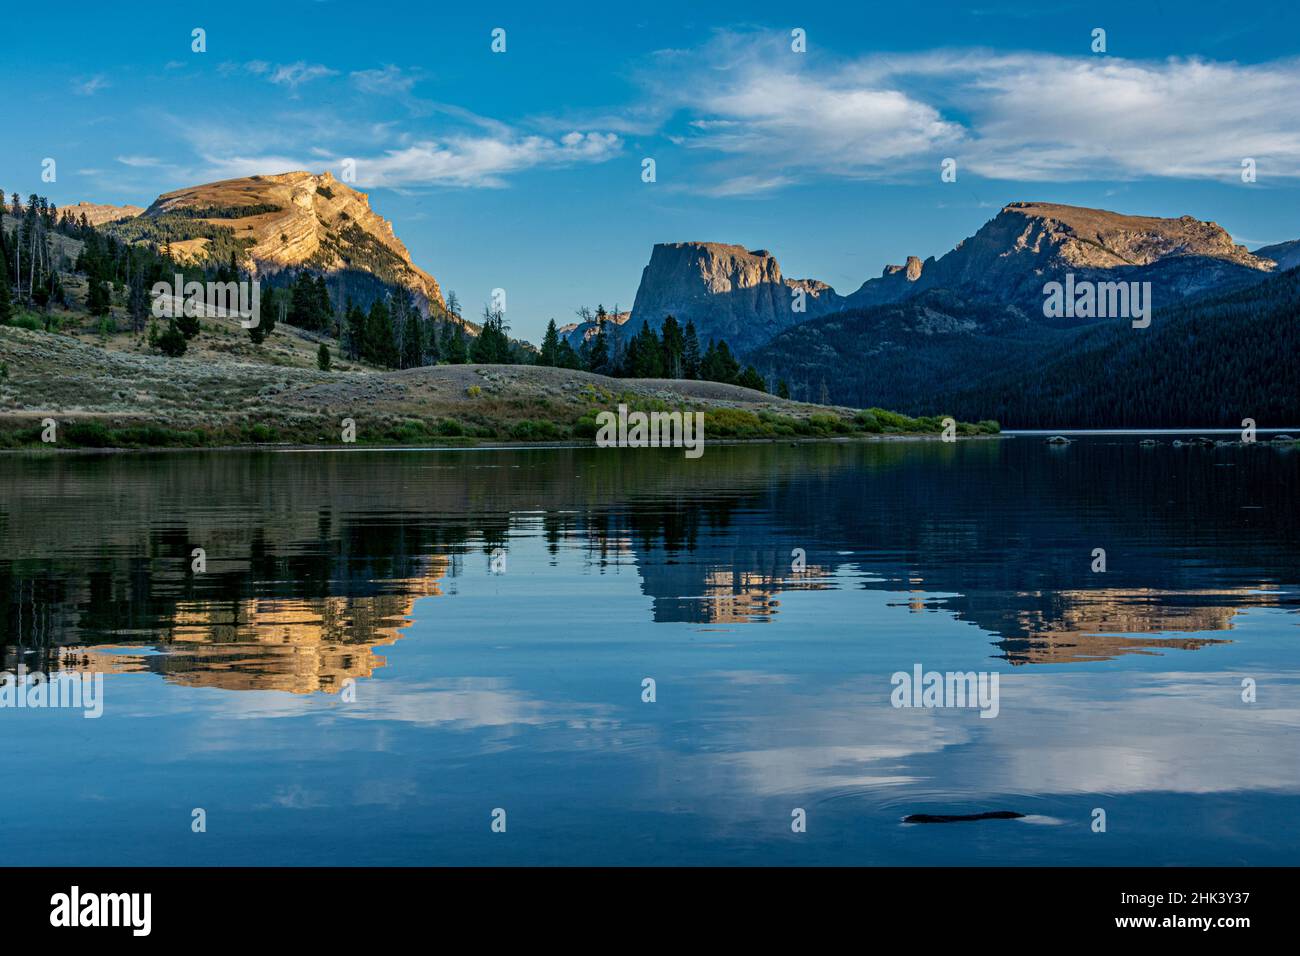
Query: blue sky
[[522, 170]]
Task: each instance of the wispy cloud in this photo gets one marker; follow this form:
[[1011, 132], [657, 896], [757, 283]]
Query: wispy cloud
[[90, 86], [291, 75], [481, 160], [294, 75], [391, 80], [473, 153]]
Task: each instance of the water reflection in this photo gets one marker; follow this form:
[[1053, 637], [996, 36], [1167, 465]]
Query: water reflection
[[770, 590], [314, 562]]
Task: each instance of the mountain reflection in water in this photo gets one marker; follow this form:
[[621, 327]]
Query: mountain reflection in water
[[495, 613], [315, 561]]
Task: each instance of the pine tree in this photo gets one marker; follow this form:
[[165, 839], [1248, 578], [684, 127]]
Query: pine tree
[[97, 299], [378, 346], [137, 302], [750, 378], [550, 353], [492, 347], [691, 352], [673, 345], [432, 347], [271, 304], [566, 357], [323, 357], [412, 339], [354, 330], [456, 350], [6, 300], [322, 307]]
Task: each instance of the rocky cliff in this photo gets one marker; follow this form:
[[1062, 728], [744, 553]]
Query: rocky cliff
[[300, 219], [728, 291]]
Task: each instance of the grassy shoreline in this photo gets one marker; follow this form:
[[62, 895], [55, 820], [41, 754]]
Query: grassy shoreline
[[447, 444]]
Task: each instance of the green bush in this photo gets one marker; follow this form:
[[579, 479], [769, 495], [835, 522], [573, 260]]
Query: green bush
[[535, 431], [825, 423], [867, 421]]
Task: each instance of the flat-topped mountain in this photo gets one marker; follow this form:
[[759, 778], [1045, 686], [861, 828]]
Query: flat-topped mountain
[[728, 291], [298, 219]]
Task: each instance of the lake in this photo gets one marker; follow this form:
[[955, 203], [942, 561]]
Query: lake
[[621, 656]]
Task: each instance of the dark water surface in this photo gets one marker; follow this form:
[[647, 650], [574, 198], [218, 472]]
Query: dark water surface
[[351, 681]]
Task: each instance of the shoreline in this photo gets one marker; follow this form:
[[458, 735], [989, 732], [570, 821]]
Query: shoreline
[[488, 445]]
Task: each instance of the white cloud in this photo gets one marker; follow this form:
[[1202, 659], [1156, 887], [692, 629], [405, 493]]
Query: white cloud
[[774, 117], [466, 160]]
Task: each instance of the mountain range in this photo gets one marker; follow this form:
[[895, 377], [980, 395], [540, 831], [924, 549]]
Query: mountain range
[[957, 333], [968, 333]]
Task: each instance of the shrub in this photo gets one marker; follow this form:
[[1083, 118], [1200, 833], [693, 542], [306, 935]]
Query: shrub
[[534, 431], [867, 421], [826, 423], [172, 342]]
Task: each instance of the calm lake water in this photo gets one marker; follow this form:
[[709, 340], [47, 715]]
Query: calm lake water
[[386, 646]]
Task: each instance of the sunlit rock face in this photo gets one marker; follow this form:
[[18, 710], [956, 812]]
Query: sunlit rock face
[[301, 219]]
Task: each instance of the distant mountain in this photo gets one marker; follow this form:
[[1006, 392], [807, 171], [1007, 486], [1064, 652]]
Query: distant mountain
[[576, 333], [728, 291], [905, 355], [289, 220], [97, 214], [1212, 359], [1028, 244], [740, 295], [1285, 254]]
